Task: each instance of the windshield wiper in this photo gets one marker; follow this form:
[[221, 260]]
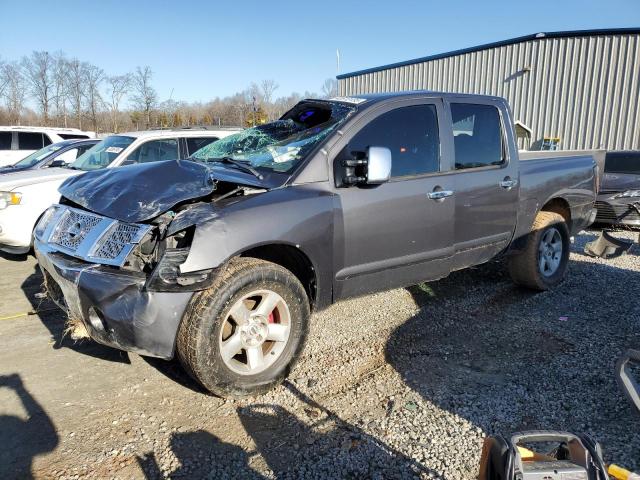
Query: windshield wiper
[[238, 163]]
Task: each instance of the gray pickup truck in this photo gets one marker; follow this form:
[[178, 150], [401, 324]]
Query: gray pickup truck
[[221, 258]]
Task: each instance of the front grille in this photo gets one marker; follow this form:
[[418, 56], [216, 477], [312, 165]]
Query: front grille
[[73, 228], [91, 237], [116, 240], [613, 213]]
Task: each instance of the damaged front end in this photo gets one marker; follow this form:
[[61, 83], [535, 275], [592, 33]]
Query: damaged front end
[[117, 271], [606, 245]]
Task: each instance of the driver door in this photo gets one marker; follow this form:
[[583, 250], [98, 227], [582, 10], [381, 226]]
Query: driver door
[[397, 233]]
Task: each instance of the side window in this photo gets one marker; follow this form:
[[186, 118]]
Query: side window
[[46, 140], [83, 148], [195, 143], [29, 141], [155, 151], [68, 156], [5, 140], [411, 133], [477, 135]]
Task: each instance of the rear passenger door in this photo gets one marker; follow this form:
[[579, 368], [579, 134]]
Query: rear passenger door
[[486, 181], [395, 234]]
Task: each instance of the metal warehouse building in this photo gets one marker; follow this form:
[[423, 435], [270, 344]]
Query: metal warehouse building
[[580, 88]]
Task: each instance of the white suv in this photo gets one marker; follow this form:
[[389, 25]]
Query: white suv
[[24, 196], [18, 142]]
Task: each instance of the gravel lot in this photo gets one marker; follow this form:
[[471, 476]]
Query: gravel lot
[[399, 384]]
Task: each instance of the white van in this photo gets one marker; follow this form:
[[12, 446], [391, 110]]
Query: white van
[[18, 142]]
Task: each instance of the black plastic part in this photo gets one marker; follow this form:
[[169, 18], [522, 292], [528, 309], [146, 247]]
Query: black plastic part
[[606, 246], [350, 168]]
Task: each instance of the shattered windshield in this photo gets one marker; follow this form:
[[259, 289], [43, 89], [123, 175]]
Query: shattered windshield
[[102, 154], [279, 146]]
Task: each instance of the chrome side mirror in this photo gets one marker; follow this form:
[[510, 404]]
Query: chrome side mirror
[[378, 165]]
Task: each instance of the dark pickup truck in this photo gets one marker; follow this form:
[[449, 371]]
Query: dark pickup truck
[[220, 259]]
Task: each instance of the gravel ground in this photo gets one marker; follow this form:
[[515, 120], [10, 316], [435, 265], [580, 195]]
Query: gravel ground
[[400, 384]]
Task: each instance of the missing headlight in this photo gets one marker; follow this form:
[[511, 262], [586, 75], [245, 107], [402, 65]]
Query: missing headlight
[[166, 276]]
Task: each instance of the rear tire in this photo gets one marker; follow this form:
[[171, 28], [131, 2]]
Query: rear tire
[[242, 336], [543, 262]]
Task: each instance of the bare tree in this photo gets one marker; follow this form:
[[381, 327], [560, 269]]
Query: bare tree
[[94, 76], [145, 96], [330, 88], [38, 70], [268, 88], [60, 86], [3, 81], [76, 87], [14, 91], [117, 87]]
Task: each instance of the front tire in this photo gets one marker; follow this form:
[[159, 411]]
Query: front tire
[[242, 336], [543, 262]]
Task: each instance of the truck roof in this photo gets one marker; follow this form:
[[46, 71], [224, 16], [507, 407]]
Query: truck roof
[[370, 98]]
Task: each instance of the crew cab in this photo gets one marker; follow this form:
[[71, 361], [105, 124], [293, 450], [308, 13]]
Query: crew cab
[[25, 195], [221, 260]]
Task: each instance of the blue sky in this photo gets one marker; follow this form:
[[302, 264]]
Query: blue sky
[[202, 49]]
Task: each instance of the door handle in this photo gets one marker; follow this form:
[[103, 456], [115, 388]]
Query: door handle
[[440, 194], [508, 183]]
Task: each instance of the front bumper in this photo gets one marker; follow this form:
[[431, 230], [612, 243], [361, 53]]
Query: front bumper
[[113, 304]]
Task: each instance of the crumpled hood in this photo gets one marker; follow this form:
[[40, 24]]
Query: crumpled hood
[[620, 182], [135, 193], [12, 180]]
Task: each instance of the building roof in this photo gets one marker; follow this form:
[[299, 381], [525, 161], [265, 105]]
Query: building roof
[[511, 41]]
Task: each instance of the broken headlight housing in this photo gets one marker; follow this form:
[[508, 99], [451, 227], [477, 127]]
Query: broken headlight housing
[[167, 277]]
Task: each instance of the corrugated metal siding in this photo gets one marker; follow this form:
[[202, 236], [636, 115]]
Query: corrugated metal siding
[[583, 89]]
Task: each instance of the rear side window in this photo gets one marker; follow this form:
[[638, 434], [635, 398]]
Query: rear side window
[[155, 151], [477, 135], [622, 162], [195, 143], [30, 141], [45, 140], [411, 133], [5, 140]]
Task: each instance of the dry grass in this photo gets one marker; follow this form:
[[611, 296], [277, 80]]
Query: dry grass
[[75, 328]]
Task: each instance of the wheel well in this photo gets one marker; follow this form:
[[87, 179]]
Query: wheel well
[[293, 260], [561, 207]]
